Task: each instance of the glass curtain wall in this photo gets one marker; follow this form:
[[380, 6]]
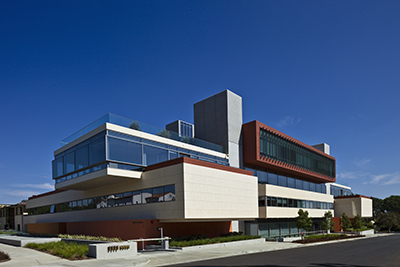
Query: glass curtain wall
[[277, 148]]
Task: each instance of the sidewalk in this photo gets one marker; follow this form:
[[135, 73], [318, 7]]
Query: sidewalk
[[27, 257]]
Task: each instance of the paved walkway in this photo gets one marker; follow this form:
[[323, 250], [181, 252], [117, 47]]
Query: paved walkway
[[27, 257]]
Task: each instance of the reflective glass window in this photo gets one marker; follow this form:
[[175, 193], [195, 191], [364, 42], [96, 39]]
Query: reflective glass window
[[318, 188], [58, 169], [82, 157], [85, 204], [299, 184], [272, 178], [152, 155], [147, 196], [158, 194], [274, 202], [274, 229], [291, 182], [97, 151], [119, 200], [306, 185], [279, 201], [285, 229], [173, 155], [262, 177], [69, 163], [284, 202], [269, 201], [282, 180], [293, 228], [312, 187], [169, 193], [125, 151], [137, 197]]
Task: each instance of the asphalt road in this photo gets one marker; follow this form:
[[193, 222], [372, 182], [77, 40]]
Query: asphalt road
[[371, 252]]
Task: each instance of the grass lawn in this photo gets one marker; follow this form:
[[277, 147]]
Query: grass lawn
[[71, 251]]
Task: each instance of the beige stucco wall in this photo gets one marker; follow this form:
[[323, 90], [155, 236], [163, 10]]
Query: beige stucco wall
[[202, 193], [285, 192], [218, 194], [353, 206]]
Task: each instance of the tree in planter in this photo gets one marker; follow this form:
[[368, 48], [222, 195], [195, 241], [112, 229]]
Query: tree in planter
[[135, 125], [303, 221], [357, 223], [345, 222], [327, 224], [164, 133]]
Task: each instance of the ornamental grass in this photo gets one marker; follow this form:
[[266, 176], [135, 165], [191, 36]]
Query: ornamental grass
[[71, 251]]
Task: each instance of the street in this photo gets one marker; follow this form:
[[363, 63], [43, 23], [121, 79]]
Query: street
[[371, 252]]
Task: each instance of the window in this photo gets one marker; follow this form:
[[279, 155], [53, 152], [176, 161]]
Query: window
[[125, 151], [272, 178], [282, 180], [261, 201], [97, 151], [147, 195]]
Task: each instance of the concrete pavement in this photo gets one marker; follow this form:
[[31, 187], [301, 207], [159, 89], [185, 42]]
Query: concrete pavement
[[27, 257]]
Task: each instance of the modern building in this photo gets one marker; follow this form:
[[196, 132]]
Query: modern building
[[120, 177], [12, 217]]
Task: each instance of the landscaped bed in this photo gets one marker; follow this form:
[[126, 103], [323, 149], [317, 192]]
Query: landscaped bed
[[71, 251], [322, 238], [4, 256], [198, 241]]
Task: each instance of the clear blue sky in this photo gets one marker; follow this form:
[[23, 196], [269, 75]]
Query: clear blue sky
[[320, 71]]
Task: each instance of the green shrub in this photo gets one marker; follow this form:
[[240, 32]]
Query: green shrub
[[71, 251], [91, 238], [206, 241], [321, 236]]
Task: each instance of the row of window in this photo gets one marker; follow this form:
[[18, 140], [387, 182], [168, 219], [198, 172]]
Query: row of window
[[150, 195], [281, 180], [277, 148], [340, 191], [273, 229], [121, 148], [264, 201]]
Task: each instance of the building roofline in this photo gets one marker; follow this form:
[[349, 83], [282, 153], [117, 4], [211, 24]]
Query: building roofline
[[354, 196], [198, 163]]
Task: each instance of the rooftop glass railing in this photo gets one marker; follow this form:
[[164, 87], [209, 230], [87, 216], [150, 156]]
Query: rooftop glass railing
[[140, 126]]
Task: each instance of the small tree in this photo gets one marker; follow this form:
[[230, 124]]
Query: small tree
[[135, 125], [357, 223], [327, 224], [345, 222], [164, 133], [303, 221]]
